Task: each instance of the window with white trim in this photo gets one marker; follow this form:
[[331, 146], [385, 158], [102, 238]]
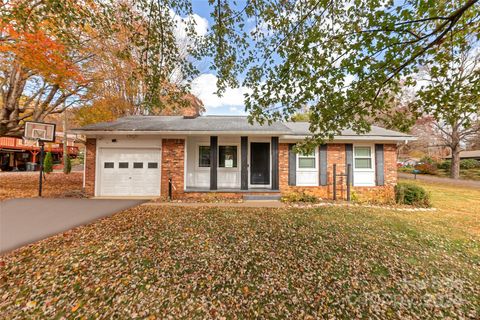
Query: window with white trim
[[362, 157], [307, 168], [307, 161]]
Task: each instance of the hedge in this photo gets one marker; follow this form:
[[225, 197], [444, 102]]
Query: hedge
[[411, 194]]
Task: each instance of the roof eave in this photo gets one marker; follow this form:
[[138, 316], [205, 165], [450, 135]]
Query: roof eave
[[355, 138], [188, 132]]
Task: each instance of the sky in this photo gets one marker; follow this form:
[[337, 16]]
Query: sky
[[204, 86]]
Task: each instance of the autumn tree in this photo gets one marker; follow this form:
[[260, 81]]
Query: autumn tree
[[343, 59], [133, 77], [55, 54], [449, 91], [42, 61]]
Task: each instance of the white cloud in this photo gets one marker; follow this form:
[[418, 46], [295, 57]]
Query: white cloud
[[200, 25], [232, 101]]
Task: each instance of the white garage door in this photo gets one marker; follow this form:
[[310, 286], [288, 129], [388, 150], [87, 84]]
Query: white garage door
[[129, 172]]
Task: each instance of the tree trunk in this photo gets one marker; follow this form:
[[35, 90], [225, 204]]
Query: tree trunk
[[455, 146], [455, 165]]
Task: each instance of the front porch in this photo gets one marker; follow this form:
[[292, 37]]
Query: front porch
[[231, 164]]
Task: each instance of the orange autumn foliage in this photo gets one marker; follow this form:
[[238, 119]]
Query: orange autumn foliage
[[42, 53]]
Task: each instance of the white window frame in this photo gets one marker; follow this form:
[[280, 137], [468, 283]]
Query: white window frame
[[315, 162], [372, 158], [310, 171]]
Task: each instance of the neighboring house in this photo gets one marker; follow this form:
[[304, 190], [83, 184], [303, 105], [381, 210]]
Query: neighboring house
[[409, 162], [17, 155], [136, 156], [472, 154]]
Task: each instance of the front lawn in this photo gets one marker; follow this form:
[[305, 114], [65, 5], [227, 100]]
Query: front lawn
[[273, 263], [25, 184], [467, 174]]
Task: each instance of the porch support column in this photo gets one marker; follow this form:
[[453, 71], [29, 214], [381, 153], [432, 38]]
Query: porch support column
[[213, 162], [275, 163], [244, 163]]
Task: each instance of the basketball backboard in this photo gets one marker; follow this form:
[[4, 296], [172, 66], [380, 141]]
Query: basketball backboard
[[39, 131]]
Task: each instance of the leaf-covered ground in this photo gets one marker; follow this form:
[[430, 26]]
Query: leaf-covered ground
[[173, 262], [25, 184]]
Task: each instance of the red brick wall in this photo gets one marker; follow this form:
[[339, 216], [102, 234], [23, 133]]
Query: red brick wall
[[90, 163], [173, 166], [336, 155], [390, 156]]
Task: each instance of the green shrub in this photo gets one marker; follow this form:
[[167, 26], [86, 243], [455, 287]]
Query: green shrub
[[469, 164], [427, 168], [411, 194], [445, 165], [68, 167], [408, 169], [299, 197], [427, 159], [48, 163]]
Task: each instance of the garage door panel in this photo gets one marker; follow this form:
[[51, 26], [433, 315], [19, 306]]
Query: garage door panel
[[126, 172]]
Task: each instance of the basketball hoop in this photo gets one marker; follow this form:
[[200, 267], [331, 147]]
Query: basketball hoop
[[36, 133], [39, 131]]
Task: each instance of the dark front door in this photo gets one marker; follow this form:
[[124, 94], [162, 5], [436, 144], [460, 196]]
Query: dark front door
[[260, 163]]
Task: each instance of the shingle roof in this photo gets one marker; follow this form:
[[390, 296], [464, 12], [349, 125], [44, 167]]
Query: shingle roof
[[179, 123], [217, 124], [470, 154], [302, 128]]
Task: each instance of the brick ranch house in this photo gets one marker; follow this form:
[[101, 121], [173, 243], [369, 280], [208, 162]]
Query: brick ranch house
[[225, 156]]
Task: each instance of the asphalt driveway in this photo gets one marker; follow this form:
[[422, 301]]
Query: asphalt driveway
[[23, 221]]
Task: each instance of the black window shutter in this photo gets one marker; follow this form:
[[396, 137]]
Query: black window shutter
[[349, 160], [275, 164], [292, 166], [323, 165], [379, 165], [244, 163], [213, 162]]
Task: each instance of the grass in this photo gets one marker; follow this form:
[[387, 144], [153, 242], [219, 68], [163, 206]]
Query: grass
[[467, 174], [25, 184], [159, 262]]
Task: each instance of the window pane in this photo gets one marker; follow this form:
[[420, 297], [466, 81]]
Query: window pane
[[152, 165], [362, 152], [138, 165], [363, 163], [306, 162], [227, 156], [123, 165], [204, 156], [108, 165]]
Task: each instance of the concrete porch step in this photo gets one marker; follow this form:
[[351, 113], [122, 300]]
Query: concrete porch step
[[257, 197]]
